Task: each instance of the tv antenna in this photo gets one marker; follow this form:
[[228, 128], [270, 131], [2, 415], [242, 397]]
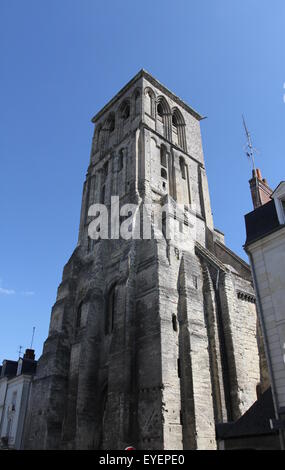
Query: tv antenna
[[20, 350], [248, 148], [34, 328]]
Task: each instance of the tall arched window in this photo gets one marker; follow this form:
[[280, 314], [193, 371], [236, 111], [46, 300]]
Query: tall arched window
[[160, 111], [149, 102], [174, 124], [109, 124], [178, 129], [110, 310], [137, 102], [125, 110], [163, 117], [97, 139]]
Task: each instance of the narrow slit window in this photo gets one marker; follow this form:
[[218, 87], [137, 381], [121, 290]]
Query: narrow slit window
[[78, 317], [182, 167], [174, 322], [163, 156]]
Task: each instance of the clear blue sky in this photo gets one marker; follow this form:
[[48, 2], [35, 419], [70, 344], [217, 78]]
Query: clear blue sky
[[61, 60]]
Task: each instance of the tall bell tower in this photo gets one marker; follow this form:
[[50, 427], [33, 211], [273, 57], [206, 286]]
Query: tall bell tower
[[152, 340]]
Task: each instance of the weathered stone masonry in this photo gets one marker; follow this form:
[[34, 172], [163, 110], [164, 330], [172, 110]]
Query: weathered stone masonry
[[151, 342]]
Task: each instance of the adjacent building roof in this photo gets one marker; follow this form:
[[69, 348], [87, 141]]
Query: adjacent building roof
[[261, 222], [253, 423]]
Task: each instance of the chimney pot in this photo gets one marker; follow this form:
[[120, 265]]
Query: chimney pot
[[258, 173], [29, 354]]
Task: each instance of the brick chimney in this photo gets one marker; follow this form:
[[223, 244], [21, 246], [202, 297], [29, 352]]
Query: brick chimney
[[29, 354], [260, 191]]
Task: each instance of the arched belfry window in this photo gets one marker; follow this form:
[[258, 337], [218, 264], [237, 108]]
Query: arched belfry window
[[149, 102], [109, 124], [178, 129], [163, 117], [98, 135], [125, 110], [137, 96], [160, 111], [174, 123], [110, 310]]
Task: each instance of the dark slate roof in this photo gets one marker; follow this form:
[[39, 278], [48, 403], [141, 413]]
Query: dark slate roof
[[28, 366], [9, 368], [255, 420], [261, 222]]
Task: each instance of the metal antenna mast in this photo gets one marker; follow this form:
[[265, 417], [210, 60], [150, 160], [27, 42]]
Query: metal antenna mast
[[249, 150], [34, 328]]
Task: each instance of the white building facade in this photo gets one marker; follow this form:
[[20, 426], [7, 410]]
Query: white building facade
[[265, 246], [15, 386]]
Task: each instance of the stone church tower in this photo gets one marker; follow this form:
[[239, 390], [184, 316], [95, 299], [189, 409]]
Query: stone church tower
[[151, 342]]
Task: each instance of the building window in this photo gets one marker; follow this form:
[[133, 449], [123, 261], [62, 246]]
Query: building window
[[110, 123], [150, 102], [178, 129], [106, 169], [160, 111], [14, 401], [125, 111], [163, 114], [137, 102], [110, 313], [98, 137], [182, 167], [102, 195], [174, 123], [78, 316], [174, 322], [163, 173], [121, 160], [163, 156]]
